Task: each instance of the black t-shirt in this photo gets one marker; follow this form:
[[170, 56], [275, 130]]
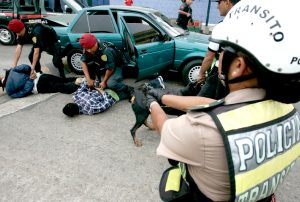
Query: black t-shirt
[[41, 36], [183, 19]]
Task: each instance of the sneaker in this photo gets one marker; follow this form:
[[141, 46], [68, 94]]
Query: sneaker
[[157, 83], [78, 81]]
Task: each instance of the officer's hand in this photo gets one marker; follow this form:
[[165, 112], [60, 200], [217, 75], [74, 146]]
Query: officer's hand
[[90, 83], [188, 14], [103, 84], [32, 74], [100, 90], [201, 78], [149, 100], [157, 93]]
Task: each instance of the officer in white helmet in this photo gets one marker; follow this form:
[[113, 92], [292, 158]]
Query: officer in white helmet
[[240, 148]]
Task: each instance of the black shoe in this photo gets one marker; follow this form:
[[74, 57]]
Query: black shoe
[[130, 90], [157, 83]]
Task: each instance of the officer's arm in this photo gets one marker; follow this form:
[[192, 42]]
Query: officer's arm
[[206, 64], [184, 13], [35, 59], [184, 103], [85, 70], [158, 116], [17, 54], [108, 73]]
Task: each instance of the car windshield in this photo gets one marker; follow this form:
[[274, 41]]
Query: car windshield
[[172, 29]]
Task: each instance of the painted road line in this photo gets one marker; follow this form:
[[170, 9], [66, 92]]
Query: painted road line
[[17, 104]]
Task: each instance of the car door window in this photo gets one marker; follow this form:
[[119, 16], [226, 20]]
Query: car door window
[[142, 31], [98, 21]]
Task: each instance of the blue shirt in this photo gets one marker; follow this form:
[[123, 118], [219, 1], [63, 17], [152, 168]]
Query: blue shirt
[[92, 101]]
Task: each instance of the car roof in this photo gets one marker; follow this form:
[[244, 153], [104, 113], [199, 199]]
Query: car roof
[[126, 8]]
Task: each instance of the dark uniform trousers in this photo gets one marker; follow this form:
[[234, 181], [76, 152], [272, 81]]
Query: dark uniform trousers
[[54, 50], [48, 83]]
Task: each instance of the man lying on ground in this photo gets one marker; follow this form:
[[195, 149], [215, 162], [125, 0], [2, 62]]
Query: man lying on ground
[[90, 100], [18, 82]]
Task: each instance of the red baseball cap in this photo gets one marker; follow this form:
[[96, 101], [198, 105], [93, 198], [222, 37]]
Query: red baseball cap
[[16, 25], [87, 41]]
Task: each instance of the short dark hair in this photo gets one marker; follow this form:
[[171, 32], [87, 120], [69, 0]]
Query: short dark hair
[[71, 109], [2, 84], [234, 1]]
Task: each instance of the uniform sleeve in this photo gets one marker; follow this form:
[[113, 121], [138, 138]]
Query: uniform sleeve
[[20, 41], [36, 37], [182, 141], [184, 8], [84, 58], [110, 63], [213, 47]]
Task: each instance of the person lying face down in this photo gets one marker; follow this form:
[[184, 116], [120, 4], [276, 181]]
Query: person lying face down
[[90, 101], [18, 82]]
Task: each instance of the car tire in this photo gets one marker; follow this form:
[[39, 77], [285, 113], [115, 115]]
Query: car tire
[[7, 37], [74, 61], [190, 71]]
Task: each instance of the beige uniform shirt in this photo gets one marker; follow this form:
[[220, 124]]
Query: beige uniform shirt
[[195, 140]]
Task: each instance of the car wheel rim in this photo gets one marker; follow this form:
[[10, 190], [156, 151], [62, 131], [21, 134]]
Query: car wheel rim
[[76, 62], [194, 73], [5, 35]]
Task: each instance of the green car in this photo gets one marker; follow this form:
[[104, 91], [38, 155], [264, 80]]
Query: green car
[[147, 37]]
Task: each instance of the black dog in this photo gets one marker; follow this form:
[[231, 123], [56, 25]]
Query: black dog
[[141, 113]]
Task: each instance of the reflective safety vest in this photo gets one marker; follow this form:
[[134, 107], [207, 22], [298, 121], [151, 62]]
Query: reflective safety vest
[[262, 143]]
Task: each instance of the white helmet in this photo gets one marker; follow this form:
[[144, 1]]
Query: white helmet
[[266, 30]]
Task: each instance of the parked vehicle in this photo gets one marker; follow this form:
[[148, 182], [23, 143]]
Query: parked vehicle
[[29, 12], [146, 36]]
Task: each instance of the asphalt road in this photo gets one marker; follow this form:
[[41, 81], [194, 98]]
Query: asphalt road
[[46, 156]]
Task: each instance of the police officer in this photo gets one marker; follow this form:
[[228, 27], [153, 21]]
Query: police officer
[[97, 58], [212, 87], [43, 38], [184, 14], [241, 148]]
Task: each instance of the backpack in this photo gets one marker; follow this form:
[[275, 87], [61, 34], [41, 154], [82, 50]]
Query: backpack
[[121, 59]]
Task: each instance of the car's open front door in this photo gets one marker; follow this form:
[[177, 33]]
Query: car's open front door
[[148, 46]]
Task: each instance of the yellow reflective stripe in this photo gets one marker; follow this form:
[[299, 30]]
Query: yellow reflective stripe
[[173, 180], [248, 116], [254, 177]]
